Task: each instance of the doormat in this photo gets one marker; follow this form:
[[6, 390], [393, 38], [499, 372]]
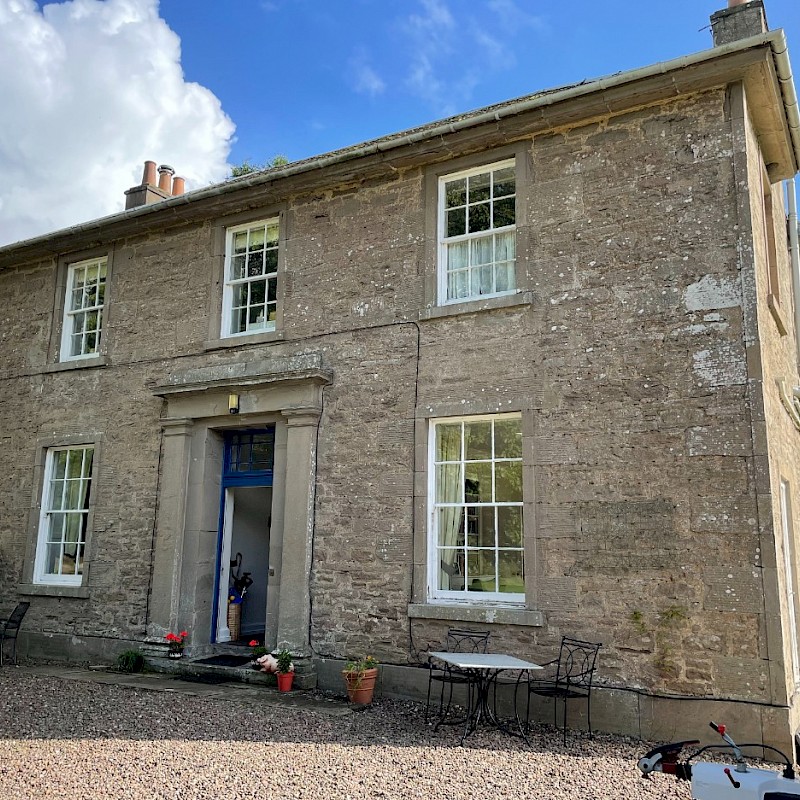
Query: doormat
[[224, 661]]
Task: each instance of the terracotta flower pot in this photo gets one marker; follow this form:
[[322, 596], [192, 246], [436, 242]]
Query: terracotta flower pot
[[360, 686], [285, 681]]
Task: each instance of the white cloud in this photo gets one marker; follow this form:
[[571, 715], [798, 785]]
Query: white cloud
[[90, 90], [364, 78], [452, 51]]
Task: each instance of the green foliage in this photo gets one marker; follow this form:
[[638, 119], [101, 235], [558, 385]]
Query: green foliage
[[671, 616], [284, 660], [130, 661], [637, 618], [259, 651], [246, 168]]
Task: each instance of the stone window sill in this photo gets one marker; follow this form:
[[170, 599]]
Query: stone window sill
[[78, 363], [476, 306], [238, 341], [501, 615], [50, 590]]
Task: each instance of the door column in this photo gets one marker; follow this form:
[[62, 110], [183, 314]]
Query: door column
[[170, 523], [294, 613]]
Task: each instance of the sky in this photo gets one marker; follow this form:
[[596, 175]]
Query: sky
[[90, 89]]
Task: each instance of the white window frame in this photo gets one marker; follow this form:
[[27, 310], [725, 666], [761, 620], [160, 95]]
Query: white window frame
[[464, 597], [444, 241], [790, 576], [71, 315], [40, 576], [230, 283]]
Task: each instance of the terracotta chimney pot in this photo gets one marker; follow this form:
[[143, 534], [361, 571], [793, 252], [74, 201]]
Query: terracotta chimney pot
[[149, 174], [178, 186], [733, 3], [165, 173]]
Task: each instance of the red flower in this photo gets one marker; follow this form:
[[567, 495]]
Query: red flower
[[183, 634], [254, 643]]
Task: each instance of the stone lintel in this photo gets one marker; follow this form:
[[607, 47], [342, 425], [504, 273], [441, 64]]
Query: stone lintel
[[313, 376]]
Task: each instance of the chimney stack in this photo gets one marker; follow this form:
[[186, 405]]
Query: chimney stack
[[165, 173], [740, 20], [151, 192]]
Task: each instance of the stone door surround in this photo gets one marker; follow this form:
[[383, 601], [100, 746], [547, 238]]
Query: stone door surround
[[284, 391]]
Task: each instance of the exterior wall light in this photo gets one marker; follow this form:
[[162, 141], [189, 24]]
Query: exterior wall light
[[233, 403]]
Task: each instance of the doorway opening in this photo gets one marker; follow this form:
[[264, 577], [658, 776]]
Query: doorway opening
[[243, 569]]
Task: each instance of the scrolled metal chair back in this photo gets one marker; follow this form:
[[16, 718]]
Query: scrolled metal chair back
[[466, 641], [577, 662]]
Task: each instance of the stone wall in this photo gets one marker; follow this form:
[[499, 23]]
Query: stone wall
[[627, 358]]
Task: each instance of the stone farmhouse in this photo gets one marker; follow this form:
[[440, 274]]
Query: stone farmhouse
[[531, 369]]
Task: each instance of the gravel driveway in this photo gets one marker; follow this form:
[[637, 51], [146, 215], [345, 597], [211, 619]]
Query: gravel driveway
[[74, 740]]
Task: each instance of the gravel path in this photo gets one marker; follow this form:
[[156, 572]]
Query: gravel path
[[75, 740]]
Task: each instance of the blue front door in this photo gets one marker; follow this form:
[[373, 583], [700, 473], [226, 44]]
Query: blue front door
[[240, 592]]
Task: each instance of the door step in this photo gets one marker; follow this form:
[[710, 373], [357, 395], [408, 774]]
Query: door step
[[305, 676]]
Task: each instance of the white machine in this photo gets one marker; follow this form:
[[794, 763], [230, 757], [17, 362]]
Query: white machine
[[736, 781]]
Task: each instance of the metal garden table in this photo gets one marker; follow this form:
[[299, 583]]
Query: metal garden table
[[483, 670]]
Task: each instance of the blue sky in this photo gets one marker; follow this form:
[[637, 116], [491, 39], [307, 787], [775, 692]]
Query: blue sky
[[301, 77], [99, 86]]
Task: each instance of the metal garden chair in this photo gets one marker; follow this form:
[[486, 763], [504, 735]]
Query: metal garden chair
[[458, 640], [575, 668], [10, 629]]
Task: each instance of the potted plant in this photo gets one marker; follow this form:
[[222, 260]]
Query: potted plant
[[258, 651], [360, 677], [285, 670], [176, 642]]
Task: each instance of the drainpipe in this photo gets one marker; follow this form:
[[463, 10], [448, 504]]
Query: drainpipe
[[794, 252]]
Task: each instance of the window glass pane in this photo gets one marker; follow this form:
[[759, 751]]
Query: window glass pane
[[271, 261], [257, 291], [450, 526], [509, 526], [257, 317], [55, 530], [479, 218], [74, 463], [69, 558], [56, 495], [457, 255], [512, 575], [448, 483], [53, 559], [255, 264], [508, 482], [91, 321], [60, 464], [73, 527], [451, 572], [455, 193], [79, 276], [480, 526], [448, 442], [483, 279], [479, 187], [459, 281], [508, 438], [272, 312], [76, 301], [481, 250], [79, 563], [504, 183], [456, 222], [240, 295], [477, 440], [239, 320], [237, 267], [257, 237], [272, 233], [504, 280], [240, 242], [481, 570], [75, 494], [504, 212], [101, 294], [478, 482]]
